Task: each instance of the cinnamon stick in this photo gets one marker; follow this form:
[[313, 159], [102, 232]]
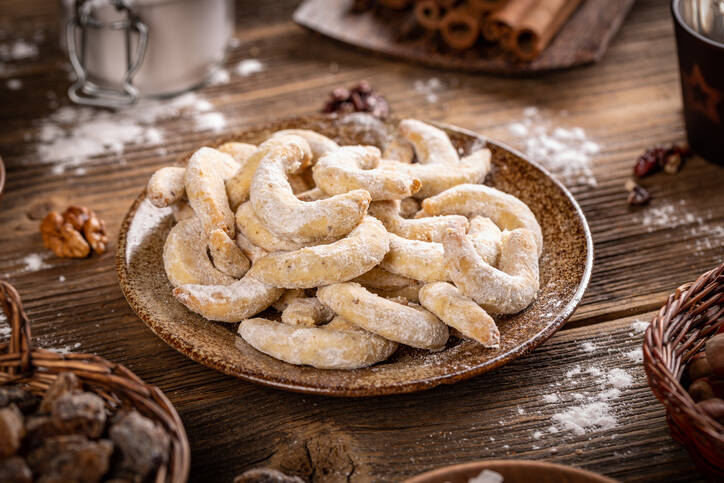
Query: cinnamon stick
[[488, 5], [499, 26], [460, 27], [428, 14], [539, 25]]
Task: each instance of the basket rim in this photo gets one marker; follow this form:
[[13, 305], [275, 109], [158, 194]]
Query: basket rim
[[20, 363], [657, 361]]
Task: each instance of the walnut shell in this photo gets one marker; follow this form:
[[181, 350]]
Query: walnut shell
[[62, 238], [71, 458], [143, 444], [82, 413], [94, 231]]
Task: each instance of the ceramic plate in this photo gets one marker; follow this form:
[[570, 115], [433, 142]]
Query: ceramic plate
[[512, 471], [565, 268]]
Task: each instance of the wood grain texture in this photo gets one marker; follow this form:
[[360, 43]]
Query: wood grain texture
[[626, 103], [584, 38]]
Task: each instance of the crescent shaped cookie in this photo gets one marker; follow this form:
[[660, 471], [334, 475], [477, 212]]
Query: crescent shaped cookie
[[471, 200], [239, 151], [204, 182], [318, 143], [286, 215], [415, 259], [184, 256], [409, 293], [391, 320], [254, 230], [343, 260], [460, 312], [382, 279], [436, 178], [226, 255], [306, 311], [399, 149], [355, 167], [318, 347], [424, 229], [507, 290], [239, 185], [166, 186], [485, 236], [228, 303], [431, 144]]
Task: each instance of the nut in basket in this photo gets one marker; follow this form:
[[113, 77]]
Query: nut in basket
[[673, 343], [79, 417]]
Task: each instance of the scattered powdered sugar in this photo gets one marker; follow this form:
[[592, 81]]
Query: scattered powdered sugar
[[635, 355], [14, 84], [65, 349], [566, 152], [71, 134], [210, 121], [588, 347], [248, 67], [34, 262], [429, 89], [591, 411], [639, 325], [586, 417], [61, 278], [487, 476], [668, 216], [619, 378], [18, 50], [219, 77], [705, 232]]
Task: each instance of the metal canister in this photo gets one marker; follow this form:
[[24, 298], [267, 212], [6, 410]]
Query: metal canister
[[123, 49]]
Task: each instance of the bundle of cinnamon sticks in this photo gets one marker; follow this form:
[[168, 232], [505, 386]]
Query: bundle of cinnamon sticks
[[521, 27]]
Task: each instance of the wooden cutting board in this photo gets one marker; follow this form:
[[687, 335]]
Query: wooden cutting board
[[584, 38]]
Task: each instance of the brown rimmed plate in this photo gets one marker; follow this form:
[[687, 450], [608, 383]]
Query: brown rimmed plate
[[512, 471], [565, 269]]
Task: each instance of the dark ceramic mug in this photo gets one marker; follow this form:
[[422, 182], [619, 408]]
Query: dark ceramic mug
[[701, 65]]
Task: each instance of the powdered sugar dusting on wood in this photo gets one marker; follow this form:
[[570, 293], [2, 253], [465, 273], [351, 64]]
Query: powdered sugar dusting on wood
[[567, 152], [71, 135]]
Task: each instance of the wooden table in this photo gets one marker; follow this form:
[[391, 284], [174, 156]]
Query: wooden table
[[626, 103]]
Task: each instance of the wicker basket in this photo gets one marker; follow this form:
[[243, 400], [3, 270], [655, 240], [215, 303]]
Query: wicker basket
[[689, 318], [35, 369]]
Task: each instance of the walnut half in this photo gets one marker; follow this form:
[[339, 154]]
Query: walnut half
[[74, 233]]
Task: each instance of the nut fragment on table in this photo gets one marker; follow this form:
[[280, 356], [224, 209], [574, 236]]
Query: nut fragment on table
[[358, 98], [637, 194], [74, 233]]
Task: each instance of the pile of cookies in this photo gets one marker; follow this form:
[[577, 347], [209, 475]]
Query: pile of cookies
[[357, 249]]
